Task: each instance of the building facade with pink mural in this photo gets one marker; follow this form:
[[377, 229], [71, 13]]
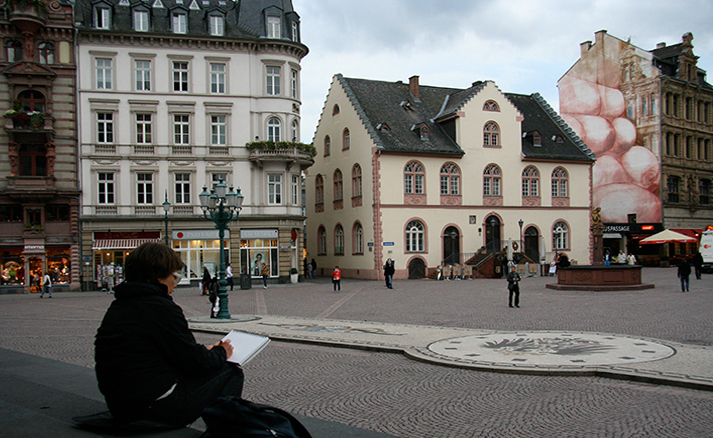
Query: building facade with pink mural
[[647, 116]]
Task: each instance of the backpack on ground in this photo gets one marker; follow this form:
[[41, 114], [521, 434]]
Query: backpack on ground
[[233, 417]]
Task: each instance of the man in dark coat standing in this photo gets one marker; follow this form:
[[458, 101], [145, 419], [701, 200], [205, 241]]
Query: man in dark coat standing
[[684, 271], [697, 262], [514, 286]]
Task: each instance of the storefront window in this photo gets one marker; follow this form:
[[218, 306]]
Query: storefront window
[[12, 270], [199, 253], [58, 264], [254, 253]]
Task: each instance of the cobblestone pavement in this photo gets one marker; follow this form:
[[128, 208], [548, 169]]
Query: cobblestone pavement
[[397, 395]]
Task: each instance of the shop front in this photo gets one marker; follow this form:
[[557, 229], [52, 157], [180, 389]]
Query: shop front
[[199, 249], [110, 251], [626, 237], [259, 247], [22, 268]]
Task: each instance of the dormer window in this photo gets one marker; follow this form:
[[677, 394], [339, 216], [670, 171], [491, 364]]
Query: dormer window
[[102, 17], [179, 22], [536, 139], [406, 105], [217, 25], [141, 21], [273, 27], [383, 127], [425, 132]]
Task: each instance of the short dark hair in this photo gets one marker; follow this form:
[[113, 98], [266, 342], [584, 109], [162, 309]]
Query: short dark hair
[[152, 261]]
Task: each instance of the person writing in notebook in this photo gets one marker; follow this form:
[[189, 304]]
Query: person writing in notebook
[[148, 364]]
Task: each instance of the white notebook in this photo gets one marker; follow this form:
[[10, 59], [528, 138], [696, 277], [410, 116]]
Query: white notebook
[[245, 346]]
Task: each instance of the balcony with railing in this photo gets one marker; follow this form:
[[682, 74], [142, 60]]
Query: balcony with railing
[[261, 151]]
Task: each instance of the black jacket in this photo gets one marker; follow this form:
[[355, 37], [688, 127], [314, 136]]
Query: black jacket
[[144, 346], [684, 269]]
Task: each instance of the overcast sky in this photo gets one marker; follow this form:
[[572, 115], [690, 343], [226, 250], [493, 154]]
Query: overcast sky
[[525, 46]]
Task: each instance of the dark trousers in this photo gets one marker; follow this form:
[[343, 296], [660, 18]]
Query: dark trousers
[[684, 283], [389, 281], [192, 395], [337, 285], [698, 272], [230, 282], [514, 290]]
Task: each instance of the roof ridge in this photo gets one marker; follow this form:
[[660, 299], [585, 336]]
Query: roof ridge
[[559, 121]]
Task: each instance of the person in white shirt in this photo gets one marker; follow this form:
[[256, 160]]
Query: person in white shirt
[[621, 258], [229, 276], [46, 285]]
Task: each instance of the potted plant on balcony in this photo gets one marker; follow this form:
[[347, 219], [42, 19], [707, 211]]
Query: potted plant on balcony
[[294, 275], [21, 119]]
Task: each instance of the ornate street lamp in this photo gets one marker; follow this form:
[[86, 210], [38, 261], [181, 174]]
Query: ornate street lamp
[[166, 207], [221, 208], [493, 223], [522, 247]]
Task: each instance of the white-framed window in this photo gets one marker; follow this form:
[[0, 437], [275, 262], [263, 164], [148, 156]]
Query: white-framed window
[[450, 179], [141, 21], [560, 182], [143, 129], [179, 22], [560, 236], [413, 178], [181, 129], [295, 130], [102, 17], [144, 188], [217, 78], [294, 84], [530, 182], [46, 52], [295, 32], [274, 189], [296, 185], [319, 189], [105, 128], [338, 185], [273, 79], [183, 188], [491, 181], [338, 240], [356, 181], [143, 75], [216, 178], [273, 27], [217, 25], [180, 76], [105, 187], [358, 239], [103, 70], [218, 130], [415, 237], [491, 134], [273, 129], [346, 139]]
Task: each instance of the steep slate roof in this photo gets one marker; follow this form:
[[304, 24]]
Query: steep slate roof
[[541, 117], [666, 59], [379, 102], [243, 19]]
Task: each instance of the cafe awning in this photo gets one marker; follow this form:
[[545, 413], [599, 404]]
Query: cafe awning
[[101, 244]]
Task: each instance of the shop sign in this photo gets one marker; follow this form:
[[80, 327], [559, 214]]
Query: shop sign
[[198, 235], [34, 247], [258, 234], [617, 229]]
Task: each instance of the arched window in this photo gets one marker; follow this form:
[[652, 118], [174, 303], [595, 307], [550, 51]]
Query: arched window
[[425, 132], [415, 237], [450, 179], [319, 190], [358, 238], [46, 53], [335, 109], [321, 241], [14, 51], [413, 178], [346, 140], [338, 185], [338, 240], [560, 183], [327, 146], [31, 100], [273, 129], [491, 135], [356, 181], [491, 105], [530, 182], [560, 236], [491, 180], [295, 131]]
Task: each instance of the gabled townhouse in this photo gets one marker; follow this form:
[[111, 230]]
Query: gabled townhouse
[[648, 117], [39, 188], [425, 175], [179, 95]]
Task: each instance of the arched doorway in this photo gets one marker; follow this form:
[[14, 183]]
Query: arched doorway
[[416, 269], [492, 234], [451, 246], [532, 244]]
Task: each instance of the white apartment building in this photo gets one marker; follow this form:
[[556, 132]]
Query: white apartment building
[[170, 92]]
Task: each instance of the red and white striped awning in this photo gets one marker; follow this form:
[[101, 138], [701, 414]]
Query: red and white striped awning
[[100, 244]]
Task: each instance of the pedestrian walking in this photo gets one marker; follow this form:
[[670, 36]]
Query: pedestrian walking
[[46, 285], [314, 268], [337, 279], [229, 276], [697, 262], [684, 271], [607, 258], [389, 273], [265, 272], [513, 287], [205, 282], [213, 288]]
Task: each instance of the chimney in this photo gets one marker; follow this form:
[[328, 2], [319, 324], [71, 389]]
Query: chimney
[[414, 88], [660, 45], [584, 48]]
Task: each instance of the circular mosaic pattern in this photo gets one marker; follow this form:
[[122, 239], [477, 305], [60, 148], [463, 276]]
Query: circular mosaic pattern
[[543, 348]]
